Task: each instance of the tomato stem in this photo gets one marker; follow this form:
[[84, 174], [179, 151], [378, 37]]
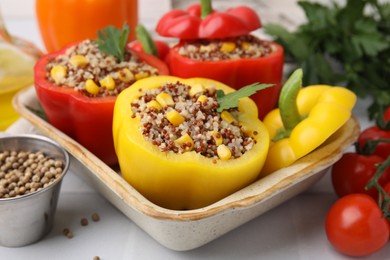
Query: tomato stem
[[370, 146], [383, 198]]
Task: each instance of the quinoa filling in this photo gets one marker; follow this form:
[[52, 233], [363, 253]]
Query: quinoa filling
[[180, 118], [88, 70], [242, 47]]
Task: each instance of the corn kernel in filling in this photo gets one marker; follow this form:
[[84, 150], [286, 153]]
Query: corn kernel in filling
[[85, 61], [242, 47], [184, 124]]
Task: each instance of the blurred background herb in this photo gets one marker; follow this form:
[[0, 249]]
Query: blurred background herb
[[343, 45]]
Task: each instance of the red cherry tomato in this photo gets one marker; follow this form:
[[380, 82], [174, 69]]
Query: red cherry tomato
[[386, 115], [352, 172], [162, 48], [355, 226], [373, 133], [387, 188]]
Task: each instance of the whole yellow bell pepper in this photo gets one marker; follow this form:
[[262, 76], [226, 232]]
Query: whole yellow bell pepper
[[306, 117], [187, 180]]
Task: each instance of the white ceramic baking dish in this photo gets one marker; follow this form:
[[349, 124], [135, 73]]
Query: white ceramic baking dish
[[185, 230]]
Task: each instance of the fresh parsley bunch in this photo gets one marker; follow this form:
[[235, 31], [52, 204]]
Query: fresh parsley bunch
[[354, 37]]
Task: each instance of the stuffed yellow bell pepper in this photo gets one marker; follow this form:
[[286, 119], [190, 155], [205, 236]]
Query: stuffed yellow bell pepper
[[306, 117], [181, 149]]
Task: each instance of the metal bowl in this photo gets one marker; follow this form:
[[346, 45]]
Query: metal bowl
[[28, 218]]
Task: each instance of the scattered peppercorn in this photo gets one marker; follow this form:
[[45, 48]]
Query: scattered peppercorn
[[24, 172], [84, 222], [95, 217], [68, 233], [65, 231]]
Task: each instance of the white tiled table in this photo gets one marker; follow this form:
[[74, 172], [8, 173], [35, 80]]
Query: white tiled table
[[294, 230]]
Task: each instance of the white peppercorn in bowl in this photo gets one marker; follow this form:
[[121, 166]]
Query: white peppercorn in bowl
[[31, 171]]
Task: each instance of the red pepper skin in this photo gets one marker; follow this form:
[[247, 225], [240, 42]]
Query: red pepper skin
[[87, 120], [187, 24], [236, 73], [195, 9], [162, 48]]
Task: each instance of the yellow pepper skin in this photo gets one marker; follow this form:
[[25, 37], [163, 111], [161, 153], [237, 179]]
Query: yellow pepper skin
[[322, 109], [188, 180]]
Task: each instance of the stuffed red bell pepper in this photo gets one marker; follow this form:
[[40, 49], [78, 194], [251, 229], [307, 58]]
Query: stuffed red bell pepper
[[219, 45], [77, 87]]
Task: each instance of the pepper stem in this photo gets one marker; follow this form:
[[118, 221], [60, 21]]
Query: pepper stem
[[288, 101], [146, 40], [206, 8]]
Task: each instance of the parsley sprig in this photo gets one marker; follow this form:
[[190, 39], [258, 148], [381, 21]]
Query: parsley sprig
[[113, 41], [343, 45], [231, 99]]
